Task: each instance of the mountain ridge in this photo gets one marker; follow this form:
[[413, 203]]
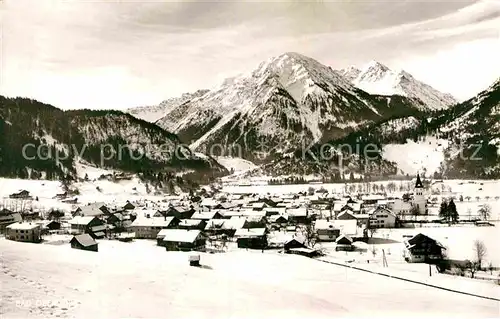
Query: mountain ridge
[[377, 78], [286, 100]]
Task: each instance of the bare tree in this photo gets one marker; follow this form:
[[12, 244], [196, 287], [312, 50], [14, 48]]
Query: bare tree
[[391, 187], [480, 251], [485, 211], [473, 267], [414, 211], [469, 213], [310, 235]]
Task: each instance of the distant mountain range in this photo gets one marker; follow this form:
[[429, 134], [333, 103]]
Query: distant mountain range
[[286, 101], [267, 116], [292, 100], [41, 141]]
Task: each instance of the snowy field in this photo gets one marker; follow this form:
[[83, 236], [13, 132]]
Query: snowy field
[[458, 240], [141, 280], [238, 165], [413, 157], [90, 192], [489, 188]]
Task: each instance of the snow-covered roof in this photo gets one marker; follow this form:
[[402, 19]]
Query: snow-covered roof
[[250, 232], [324, 224], [343, 236], [346, 212], [274, 218], [297, 212], [234, 222], [337, 206], [355, 206], [347, 226], [178, 235], [23, 226], [205, 215], [152, 222], [190, 222], [81, 220], [208, 202], [85, 240], [141, 212], [215, 223]]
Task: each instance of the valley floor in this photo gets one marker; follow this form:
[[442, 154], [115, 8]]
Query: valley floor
[[142, 280]]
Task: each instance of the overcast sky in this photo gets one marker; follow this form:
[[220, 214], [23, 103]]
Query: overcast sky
[[119, 54]]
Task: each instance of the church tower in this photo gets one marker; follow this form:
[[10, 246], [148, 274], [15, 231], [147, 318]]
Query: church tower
[[419, 198]]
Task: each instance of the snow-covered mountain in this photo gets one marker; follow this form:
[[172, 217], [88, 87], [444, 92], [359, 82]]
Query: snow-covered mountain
[[285, 102], [155, 112], [473, 129], [376, 78]]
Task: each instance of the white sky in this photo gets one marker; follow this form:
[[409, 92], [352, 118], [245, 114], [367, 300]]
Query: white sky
[[120, 54]]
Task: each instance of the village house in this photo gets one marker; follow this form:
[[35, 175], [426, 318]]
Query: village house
[[344, 243], [22, 194], [116, 220], [147, 213], [346, 214], [253, 238], [230, 226], [400, 207], [148, 228], [51, 225], [258, 206], [298, 215], [338, 206], [278, 219], [180, 212], [84, 242], [295, 242], [215, 227], [94, 209], [326, 230], [381, 218], [8, 217], [255, 222], [199, 224], [98, 232], [347, 227], [181, 239], [207, 215], [422, 248], [84, 224], [270, 211], [25, 232], [371, 199]]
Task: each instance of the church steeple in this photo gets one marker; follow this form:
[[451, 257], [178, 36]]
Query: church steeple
[[419, 184]]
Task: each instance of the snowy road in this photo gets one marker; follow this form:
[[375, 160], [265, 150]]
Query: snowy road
[[143, 281]]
